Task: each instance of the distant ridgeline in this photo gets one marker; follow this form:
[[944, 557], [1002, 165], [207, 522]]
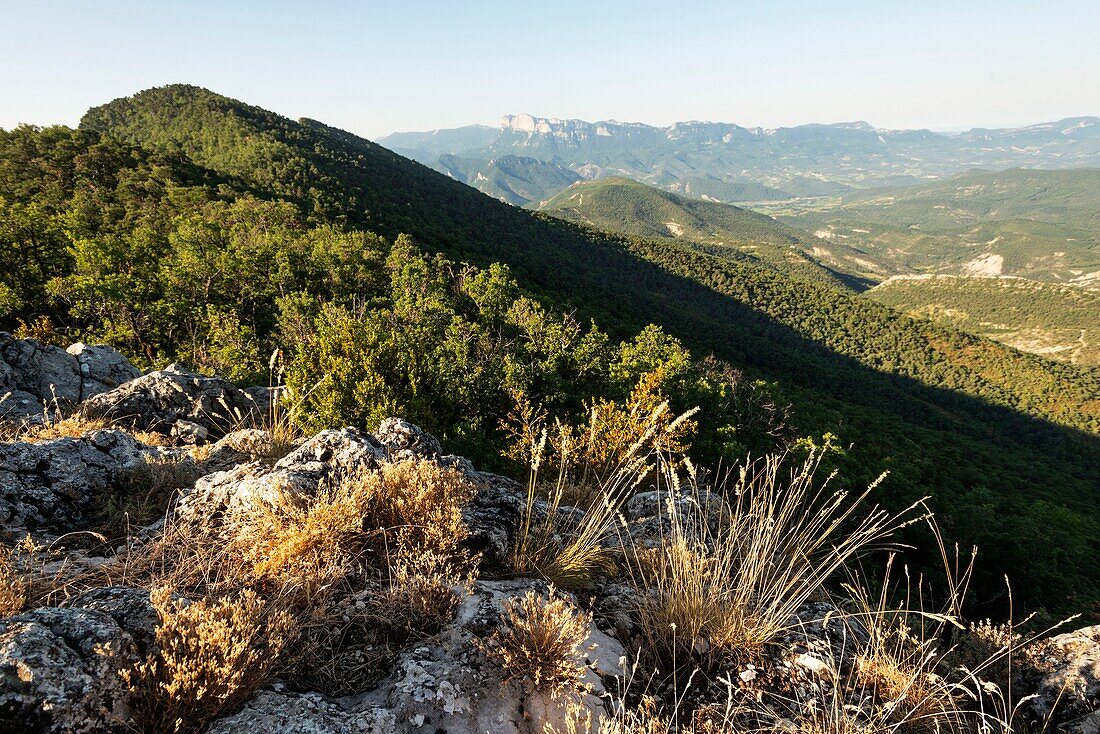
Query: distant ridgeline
[[625, 206], [182, 225], [729, 163]]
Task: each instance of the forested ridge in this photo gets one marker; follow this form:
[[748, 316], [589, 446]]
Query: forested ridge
[[181, 225], [628, 207]]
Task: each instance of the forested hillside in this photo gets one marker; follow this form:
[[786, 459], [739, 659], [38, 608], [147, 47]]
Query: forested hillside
[[1042, 225], [181, 225], [628, 207], [1058, 322]]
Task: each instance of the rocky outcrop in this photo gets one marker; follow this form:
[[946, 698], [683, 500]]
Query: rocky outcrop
[[444, 683], [52, 486], [34, 375], [492, 517], [299, 473], [59, 666], [1065, 676], [59, 672], [189, 407]]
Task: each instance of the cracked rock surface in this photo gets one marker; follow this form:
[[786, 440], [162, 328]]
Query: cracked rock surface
[[59, 672], [33, 374], [175, 402], [53, 485]]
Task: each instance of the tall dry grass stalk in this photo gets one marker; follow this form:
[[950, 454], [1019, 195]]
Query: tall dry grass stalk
[[13, 584], [599, 469], [901, 667], [730, 574], [281, 421]]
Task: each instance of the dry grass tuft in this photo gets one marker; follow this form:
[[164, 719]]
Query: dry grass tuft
[[597, 468], [645, 718], [908, 693], [145, 496], [902, 665], [151, 438], [729, 579], [371, 561], [13, 585], [56, 421], [212, 655], [423, 594], [361, 518], [74, 426], [540, 640]]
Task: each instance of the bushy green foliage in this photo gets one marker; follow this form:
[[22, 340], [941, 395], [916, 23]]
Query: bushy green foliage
[[454, 348]]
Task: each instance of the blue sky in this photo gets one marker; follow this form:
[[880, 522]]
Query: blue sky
[[373, 67]]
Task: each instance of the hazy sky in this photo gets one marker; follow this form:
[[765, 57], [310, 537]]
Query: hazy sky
[[374, 67]]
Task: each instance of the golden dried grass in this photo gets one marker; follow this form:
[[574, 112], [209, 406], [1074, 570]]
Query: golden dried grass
[[730, 575], [211, 656], [540, 639]]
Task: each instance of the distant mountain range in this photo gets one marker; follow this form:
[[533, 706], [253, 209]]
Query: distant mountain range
[[729, 163]]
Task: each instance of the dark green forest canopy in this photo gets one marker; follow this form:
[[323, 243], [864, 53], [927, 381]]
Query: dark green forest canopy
[[191, 185]]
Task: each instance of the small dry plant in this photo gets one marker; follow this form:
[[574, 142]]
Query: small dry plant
[[212, 655], [360, 518], [13, 584], [397, 532], [900, 665], [588, 457], [348, 637], [422, 593], [598, 467], [728, 579], [56, 421], [540, 639], [990, 656]]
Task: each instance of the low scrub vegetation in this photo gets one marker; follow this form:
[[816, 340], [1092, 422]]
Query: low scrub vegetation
[[324, 584], [212, 655], [540, 639]]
